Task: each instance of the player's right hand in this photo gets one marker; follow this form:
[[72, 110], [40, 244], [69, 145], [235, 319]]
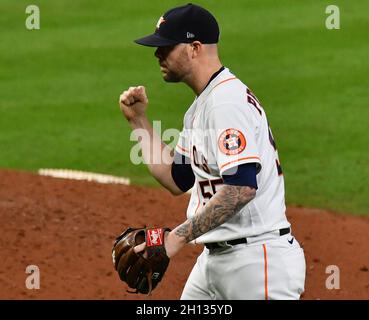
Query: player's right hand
[[133, 102]]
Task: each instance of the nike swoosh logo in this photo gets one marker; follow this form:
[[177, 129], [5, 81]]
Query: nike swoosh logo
[[291, 241]]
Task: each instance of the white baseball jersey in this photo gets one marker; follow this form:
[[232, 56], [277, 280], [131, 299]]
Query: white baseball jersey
[[224, 128]]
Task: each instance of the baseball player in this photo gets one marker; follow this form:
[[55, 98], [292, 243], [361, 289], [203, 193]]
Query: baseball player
[[227, 154]]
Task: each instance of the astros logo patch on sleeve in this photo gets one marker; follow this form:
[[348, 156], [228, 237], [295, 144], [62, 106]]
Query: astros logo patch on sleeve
[[231, 142]]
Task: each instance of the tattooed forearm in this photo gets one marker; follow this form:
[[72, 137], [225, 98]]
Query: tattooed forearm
[[221, 207]]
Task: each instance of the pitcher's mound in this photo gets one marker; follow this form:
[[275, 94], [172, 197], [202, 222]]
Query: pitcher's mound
[[66, 228]]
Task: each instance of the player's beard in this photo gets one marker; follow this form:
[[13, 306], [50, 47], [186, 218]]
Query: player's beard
[[170, 76], [178, 70]]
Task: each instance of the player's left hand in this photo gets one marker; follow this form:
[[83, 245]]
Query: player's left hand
[[141, 270]]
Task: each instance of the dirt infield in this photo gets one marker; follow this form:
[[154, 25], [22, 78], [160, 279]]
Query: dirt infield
[[67, 229]]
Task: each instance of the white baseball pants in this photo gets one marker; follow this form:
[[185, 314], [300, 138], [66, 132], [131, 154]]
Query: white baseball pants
[[267, 267]]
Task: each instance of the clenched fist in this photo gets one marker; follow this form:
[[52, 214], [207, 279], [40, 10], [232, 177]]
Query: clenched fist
[[133, 102]]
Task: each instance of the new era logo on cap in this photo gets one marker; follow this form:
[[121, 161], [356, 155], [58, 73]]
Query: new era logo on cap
[[190, 35]]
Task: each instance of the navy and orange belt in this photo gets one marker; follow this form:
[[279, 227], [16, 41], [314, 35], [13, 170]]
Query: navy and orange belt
[[218, 245]]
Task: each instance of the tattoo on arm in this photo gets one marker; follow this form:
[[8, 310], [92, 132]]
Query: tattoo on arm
[[221, 207]]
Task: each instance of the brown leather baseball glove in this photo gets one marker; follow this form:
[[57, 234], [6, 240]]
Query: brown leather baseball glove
[[144, 270]]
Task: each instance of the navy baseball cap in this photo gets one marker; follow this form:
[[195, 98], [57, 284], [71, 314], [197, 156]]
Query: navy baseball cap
[[183, 24]]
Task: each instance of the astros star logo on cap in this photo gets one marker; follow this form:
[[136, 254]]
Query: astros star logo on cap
[[160, 21]]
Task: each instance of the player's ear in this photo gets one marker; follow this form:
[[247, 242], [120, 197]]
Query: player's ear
[[196, 48]]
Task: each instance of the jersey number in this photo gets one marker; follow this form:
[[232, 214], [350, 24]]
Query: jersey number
[[208, 188], [272, 142], [251, 98]]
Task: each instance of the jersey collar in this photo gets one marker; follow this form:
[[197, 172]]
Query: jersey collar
[[222, 74], [213, 77]]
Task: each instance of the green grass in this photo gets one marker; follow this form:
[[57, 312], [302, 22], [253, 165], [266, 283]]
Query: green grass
[[59, 88]]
